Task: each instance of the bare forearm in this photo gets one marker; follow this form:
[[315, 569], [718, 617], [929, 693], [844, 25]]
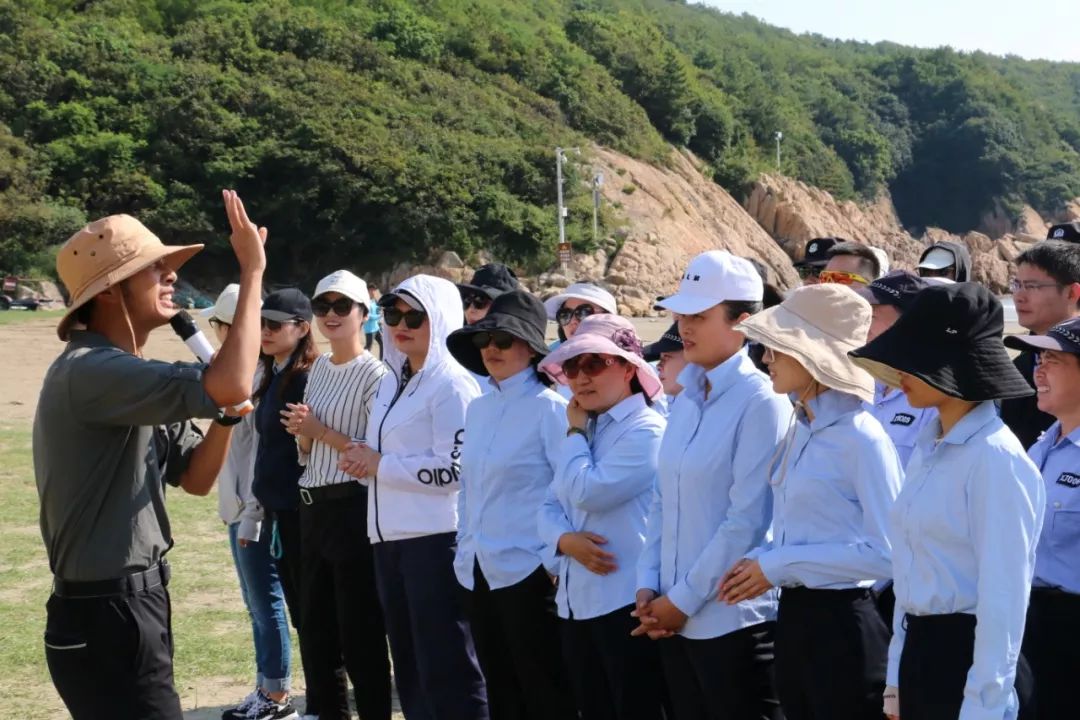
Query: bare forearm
[[228, 378], [206, 461]]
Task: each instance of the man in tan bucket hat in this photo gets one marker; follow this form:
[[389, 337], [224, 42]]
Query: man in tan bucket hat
[[111, 429]]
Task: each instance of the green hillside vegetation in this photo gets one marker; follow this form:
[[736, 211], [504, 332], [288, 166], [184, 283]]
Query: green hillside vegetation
[[370, 133]]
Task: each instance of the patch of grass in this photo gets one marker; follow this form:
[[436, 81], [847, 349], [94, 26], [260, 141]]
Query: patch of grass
[[14, 317]]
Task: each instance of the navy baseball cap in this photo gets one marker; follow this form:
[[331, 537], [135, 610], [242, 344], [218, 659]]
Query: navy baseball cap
[[1064, 337], [670, 341], [287, 304], [817, 252], [1069, 232], [898, 289]]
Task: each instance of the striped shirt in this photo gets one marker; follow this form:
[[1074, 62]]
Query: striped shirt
[[340, 396]]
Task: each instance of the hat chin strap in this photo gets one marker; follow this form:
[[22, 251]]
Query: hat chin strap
[[789, 437], [135, 350]]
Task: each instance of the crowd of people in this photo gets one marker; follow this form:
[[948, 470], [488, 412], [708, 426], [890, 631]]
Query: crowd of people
[[846, 501]]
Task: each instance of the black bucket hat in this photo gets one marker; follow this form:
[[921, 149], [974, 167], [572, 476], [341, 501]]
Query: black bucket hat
[[492, 280], [670, 341], [517, 312], [950, 337]]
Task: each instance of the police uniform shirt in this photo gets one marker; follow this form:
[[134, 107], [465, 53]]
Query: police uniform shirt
[[1057, 557], [901, 422]]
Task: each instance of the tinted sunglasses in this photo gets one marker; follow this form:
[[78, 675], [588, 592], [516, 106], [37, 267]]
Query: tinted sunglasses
[[842, 278], [216, 323], [591, 364], [275, 325], [478, 302], [341, 307], [502, 339], [807, 271], [565, 315], [413, 318]]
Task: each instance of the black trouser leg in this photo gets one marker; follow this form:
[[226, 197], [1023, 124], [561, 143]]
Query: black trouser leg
[[111, 657], [725, 678], [831, 653], [290, 572], [516, 630], [934, 665], [615, 676], [1051, 647]]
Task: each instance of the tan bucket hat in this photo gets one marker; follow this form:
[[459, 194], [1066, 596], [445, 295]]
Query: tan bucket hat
[[818, 325], [108, 251]]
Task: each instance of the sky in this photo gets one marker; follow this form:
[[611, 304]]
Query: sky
[[1048, 29]]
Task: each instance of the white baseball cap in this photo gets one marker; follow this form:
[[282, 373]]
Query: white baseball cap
[[224, 308], [588, 292], [714, 277], [344, 283], [938, 258]]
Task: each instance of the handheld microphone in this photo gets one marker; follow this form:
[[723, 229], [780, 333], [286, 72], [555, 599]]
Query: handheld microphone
[[184, 325]]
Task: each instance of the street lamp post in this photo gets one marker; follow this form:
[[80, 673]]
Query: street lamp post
[[779, 137]]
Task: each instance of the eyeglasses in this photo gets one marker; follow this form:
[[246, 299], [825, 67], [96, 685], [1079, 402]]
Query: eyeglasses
[[807, 271], [842, 278], [1031, 285], [591, 364], [341, 307], [502, 340], [215, 323], [413, 318], [565, 315], [275, 325], [478, 302]]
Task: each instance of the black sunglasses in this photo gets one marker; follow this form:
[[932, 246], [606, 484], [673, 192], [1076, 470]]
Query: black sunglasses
[[341, 307], [216, 323], [413, 318], [275, 325], [478, 302], [590, 363], [565, 315], [502, 339]]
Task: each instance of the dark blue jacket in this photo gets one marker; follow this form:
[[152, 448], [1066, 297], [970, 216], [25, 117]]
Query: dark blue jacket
[[277, 468]]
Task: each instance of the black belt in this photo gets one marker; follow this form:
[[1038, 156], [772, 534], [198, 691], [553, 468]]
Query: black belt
[[1055, 593], [157, 576], [310, 496]]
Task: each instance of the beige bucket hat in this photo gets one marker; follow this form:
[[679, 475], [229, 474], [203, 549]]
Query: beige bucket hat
[[818, 325], [108, 251]]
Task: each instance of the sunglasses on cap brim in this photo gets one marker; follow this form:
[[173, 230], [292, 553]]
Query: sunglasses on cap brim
[[500, 338], [590, 363], [413, 318]]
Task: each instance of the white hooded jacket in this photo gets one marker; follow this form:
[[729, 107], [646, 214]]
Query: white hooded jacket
[[419, 428]]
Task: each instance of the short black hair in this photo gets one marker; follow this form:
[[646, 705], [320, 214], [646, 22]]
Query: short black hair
[[85, 313], [735, 308], [870, 265], [1057, 258]]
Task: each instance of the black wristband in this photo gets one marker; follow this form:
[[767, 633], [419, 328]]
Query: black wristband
[[577, 431], [228, 420]]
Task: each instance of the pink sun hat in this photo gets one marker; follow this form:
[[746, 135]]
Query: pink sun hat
[[604, 335]]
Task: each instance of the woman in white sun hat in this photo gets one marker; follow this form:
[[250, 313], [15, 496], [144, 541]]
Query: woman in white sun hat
[[833, 481], [595, 512], [712, 503]]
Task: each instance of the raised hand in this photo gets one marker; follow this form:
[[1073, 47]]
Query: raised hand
[[247, 239]]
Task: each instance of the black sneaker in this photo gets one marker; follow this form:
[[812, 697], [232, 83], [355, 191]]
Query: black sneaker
[[240, 711], [266, 709]]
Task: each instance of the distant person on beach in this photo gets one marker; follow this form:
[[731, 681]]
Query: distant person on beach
[[112, 429], [1053, 619], [1046, 292], [372, 328], [852, 264], [949, 260]]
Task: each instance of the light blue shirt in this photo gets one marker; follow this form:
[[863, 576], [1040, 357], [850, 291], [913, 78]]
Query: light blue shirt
[[604, 486], [831, 499], [712, 502], [963, 532], [902, 422], [371, 325], [1057, 559], [508, 459]]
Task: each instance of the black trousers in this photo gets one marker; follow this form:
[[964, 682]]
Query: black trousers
[[371, 339], [111, 657], [938, 652], [435, 666], [725, 678], [832, 650], [516, 634], [290, 566], [341, 615], [1051, 647], [615, 676]]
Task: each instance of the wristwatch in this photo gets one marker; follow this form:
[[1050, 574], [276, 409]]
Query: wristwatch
[[228, 420], [577, 431]]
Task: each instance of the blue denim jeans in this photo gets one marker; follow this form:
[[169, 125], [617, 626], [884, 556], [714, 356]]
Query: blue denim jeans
[[265, 602]]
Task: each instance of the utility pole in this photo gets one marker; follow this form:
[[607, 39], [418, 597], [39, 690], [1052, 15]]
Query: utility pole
[[598, 181], [779, 137], [560, 158]]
